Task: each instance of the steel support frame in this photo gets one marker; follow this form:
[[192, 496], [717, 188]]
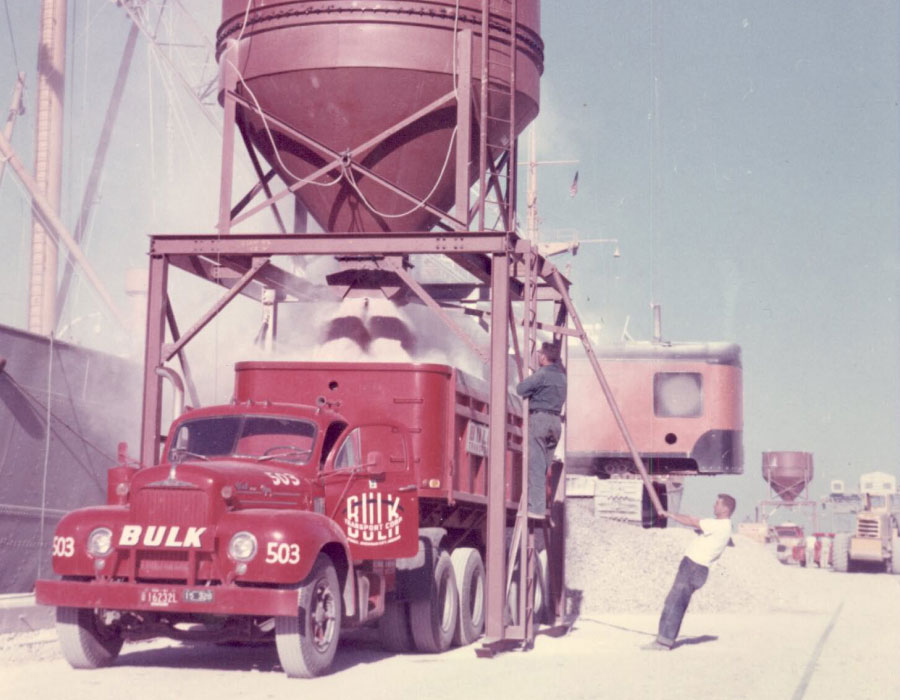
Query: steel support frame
[[494, 257]]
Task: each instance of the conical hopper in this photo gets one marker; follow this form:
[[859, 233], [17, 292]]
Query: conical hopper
[[345, 71], [787, 473]]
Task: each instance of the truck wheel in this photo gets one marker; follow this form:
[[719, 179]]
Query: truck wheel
[[840, 552], [895, 555], [468, 569], [85, 640], [432, 618], [307, 641], [393, 627]]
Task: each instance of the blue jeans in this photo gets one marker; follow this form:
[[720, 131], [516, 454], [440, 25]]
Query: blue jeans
[[689, 578]]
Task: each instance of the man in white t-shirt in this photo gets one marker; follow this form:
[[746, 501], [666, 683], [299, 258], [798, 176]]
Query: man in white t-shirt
[[714, 535]]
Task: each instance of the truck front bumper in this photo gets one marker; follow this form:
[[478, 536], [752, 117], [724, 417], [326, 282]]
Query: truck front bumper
[[866, 549], [208, 600]]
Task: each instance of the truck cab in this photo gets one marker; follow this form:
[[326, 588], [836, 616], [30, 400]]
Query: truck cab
[[324, 495]]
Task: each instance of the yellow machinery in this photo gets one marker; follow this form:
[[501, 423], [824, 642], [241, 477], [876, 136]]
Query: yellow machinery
[[876, 538]]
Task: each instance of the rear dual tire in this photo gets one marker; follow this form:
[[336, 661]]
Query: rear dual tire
[[432, 617], [468, 568]]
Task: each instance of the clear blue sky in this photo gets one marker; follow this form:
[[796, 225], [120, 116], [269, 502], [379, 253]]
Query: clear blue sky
[[756, 199]]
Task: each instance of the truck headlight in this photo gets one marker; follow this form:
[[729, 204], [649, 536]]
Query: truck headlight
[[99, 542], [242, 546]]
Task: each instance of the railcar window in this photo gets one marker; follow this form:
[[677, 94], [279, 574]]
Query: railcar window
[[678, 394]]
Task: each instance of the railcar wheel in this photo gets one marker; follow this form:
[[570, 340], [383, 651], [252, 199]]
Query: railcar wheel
[[840, 553], [307, 641], [86, 640], [468, 569], [393, 627], [432, 617]]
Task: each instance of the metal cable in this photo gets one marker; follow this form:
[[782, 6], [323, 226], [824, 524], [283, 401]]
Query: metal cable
[[49, 412], [48, 416], [12, 37]]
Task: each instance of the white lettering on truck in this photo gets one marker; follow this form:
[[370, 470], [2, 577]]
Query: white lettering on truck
[[373, 519], [160, 536]]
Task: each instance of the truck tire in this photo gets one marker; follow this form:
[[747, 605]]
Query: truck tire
[[86, 642], [840, 553], [432, 617], [393, 627], [307, 641], [895, 555], [468, 569]]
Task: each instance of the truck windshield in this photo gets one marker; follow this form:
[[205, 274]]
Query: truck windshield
[[259, 437]]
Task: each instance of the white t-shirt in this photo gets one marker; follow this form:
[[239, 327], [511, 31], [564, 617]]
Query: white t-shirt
[[709, 545]]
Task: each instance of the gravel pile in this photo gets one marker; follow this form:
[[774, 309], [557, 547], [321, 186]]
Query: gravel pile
[[620, 567]]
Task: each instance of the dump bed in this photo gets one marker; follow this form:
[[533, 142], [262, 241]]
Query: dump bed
[[445, 410]]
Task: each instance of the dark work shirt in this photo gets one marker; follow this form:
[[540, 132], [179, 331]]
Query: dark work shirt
[[546, 389]]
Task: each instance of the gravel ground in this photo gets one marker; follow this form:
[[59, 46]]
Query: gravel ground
[[758, 629], [622, 568]]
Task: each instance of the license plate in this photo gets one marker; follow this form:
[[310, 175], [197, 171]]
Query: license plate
[[159, 597], [202, 595]]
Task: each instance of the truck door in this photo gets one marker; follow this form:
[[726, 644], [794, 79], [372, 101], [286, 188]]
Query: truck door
[[370, 491]]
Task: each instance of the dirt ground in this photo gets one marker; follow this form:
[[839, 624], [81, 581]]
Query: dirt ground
[[846, 645]]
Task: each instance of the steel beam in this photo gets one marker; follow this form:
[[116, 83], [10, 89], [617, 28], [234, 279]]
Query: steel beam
[[48, 215], [48, 155], [495, 563], [93, 183], [340, 161], [157, 301], [610, 398], [169, 351], [15, 109], [485, 243], [434, 306]]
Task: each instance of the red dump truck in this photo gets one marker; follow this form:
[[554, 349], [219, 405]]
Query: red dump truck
[[324, 496]]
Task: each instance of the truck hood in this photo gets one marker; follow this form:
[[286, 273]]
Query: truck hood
[[240, 483]]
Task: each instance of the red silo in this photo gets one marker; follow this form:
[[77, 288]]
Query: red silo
[[343, 72], [787, 472]]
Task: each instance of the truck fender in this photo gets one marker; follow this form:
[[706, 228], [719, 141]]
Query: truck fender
[[69, 550], [289, 542], [414, 573]]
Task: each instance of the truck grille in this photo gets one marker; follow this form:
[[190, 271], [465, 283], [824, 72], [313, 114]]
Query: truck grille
[[176, 506], [163, 565], [867, 528]]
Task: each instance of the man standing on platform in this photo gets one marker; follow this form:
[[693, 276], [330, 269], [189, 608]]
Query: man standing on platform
[[546, 391]]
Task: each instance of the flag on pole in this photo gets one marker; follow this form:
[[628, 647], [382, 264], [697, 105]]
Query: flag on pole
[[573, 188]]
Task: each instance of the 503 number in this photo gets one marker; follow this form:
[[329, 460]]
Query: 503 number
[[63, 546], [282, 553]]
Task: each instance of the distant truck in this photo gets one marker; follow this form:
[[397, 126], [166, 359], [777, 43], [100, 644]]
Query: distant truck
[[877, 538], [325, 496], [790, 543]]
